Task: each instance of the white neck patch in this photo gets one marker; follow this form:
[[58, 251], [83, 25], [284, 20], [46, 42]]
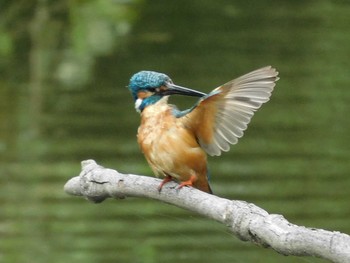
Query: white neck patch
[[138, 103]]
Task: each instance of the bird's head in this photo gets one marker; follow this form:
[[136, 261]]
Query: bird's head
[[148, 87]]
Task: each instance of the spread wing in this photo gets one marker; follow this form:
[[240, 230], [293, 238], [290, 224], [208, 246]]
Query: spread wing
[[220, 118]]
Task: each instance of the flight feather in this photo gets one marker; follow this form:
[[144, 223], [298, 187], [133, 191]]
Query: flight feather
[[220, 118]]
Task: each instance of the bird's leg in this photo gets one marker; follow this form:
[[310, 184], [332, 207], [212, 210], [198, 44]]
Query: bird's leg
[[167, 179], [189, 182]]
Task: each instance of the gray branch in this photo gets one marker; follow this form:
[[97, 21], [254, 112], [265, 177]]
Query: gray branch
[[245, 220]]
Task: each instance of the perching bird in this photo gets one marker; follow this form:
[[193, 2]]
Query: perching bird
[[176, 143]]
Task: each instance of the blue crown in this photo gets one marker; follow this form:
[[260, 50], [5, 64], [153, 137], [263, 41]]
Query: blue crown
[[144, 80]]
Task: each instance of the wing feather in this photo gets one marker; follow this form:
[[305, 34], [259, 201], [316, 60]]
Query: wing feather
[[220, 118]]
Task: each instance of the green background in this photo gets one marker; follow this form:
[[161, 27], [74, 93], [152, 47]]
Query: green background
[[64, 68]]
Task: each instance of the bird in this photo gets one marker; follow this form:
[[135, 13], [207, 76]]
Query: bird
[[176, 143]]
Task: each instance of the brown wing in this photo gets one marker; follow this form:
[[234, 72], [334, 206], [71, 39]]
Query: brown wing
[[220, 118]]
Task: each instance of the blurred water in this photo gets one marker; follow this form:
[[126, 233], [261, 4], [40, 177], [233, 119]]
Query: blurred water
[[293, 159]]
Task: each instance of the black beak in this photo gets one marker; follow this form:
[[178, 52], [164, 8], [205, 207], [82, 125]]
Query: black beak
[[175, 89]]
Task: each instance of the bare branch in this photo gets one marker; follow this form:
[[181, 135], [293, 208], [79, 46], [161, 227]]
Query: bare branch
[[247, 221]]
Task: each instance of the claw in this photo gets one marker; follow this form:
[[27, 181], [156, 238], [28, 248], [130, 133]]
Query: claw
[[167, 179]]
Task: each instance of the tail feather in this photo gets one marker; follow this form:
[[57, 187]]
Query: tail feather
[[203, 185], [210, 191]]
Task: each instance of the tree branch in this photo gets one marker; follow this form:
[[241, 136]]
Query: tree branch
[[247, 221]]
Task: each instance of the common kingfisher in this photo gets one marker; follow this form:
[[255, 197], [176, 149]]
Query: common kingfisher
[[176, 143]]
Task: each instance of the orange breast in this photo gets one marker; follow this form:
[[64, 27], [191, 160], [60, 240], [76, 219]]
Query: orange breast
[[169, 147]]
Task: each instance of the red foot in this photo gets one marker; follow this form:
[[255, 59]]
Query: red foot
[[188, 182], [167, 179]]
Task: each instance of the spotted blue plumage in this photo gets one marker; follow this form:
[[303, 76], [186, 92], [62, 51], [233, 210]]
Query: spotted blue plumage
[[155, 86], [144, 80]]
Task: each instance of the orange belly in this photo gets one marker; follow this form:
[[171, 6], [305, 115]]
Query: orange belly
[[170, 148]]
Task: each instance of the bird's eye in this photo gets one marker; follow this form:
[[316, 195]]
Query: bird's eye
[[155, 90]]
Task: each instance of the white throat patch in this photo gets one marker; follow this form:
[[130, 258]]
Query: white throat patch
[[138, 103]]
